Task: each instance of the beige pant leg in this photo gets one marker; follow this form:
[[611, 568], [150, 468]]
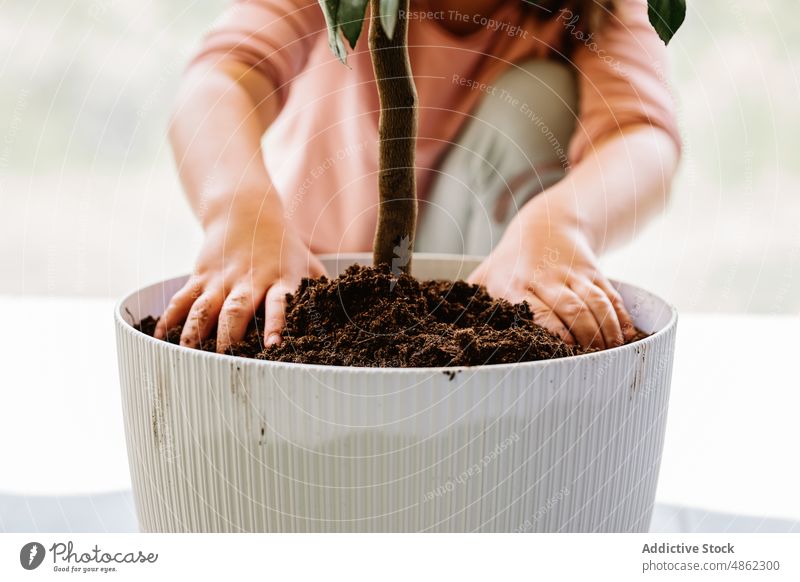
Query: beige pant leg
[[514, 147]]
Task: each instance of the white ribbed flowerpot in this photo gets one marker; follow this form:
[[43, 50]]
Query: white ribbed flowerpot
[[221, 443]]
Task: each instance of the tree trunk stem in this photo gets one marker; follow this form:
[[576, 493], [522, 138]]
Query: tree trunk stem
[[397, 131]]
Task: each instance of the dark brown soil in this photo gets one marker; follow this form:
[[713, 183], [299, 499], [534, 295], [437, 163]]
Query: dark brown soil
[[370, 318]]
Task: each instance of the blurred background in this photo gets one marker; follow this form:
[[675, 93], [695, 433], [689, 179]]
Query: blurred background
[[92, 206]]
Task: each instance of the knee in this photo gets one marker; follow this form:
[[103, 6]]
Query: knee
[[534, 104]]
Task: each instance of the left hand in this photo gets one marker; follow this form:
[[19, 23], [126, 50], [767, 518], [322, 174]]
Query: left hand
[[546, 260]]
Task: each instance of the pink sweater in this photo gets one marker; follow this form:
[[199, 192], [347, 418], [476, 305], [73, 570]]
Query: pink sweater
[[322, 150]]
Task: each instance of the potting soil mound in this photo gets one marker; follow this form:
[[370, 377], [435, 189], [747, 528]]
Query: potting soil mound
[[371, 318]]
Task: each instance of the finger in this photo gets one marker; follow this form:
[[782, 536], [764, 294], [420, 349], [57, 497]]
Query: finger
[[513, 295], [624, 318], [602, 310], [202, 318], [497, 285], [237, 312], [544, 316], [575, 314], [275, 316], [478, 276], [178, 308]]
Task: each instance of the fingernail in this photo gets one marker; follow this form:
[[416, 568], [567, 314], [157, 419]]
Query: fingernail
[[273, 339]]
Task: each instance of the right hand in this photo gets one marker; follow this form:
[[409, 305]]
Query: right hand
[[545, 260], [248, 259]]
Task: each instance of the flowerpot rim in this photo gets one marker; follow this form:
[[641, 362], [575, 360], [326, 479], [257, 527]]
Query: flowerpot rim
[[122, 323]]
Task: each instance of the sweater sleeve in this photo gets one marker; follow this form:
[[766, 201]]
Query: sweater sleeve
[[273, 36], [621, 79]]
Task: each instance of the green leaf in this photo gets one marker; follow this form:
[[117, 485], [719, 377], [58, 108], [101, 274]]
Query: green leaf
[[389, 13], [330, 8], [666, 16], [351, 19]]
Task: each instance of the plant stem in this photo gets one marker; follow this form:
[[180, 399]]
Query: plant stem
[[397, 131]]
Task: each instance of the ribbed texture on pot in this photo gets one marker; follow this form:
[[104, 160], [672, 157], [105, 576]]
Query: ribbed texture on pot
[[218, 443]]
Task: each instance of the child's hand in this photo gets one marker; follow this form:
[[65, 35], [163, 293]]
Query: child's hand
[[247, 262], [548, 262]]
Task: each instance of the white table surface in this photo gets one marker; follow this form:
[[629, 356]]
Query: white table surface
[[732, 437]]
